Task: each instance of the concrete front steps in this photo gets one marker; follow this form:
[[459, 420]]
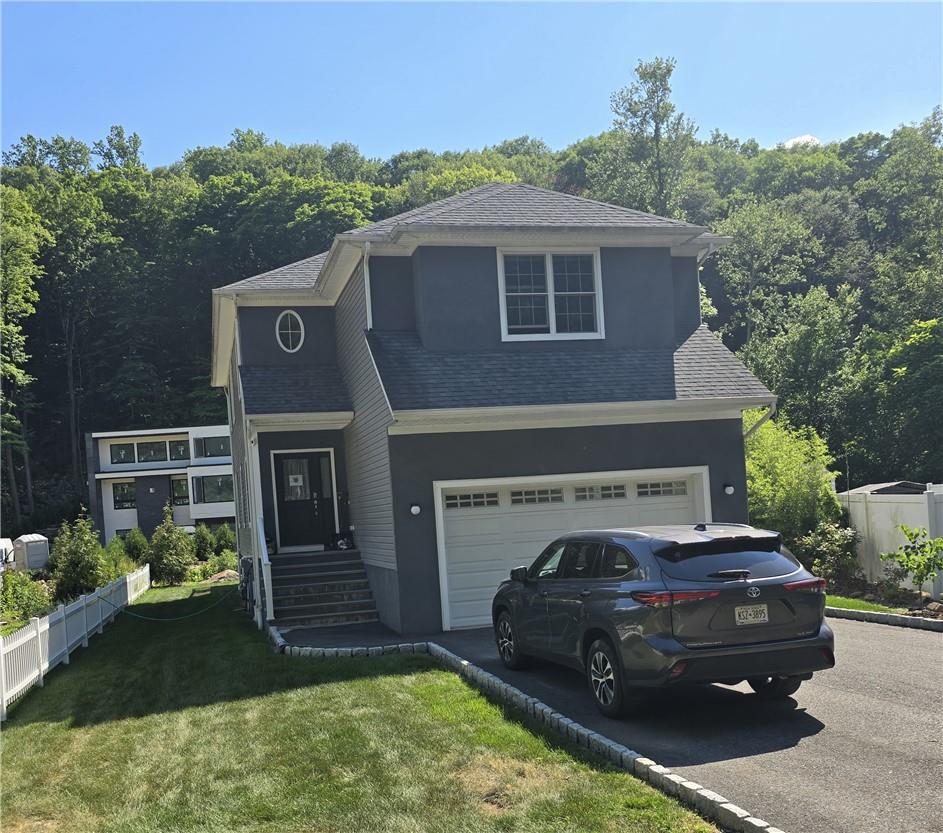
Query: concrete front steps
[[321, 588]]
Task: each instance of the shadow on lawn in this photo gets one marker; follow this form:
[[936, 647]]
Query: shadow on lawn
[[141, 667]]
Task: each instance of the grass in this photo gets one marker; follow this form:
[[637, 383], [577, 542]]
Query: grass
[[195, 725], [848, 603]]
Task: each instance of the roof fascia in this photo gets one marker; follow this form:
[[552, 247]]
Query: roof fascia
[[224, 335]]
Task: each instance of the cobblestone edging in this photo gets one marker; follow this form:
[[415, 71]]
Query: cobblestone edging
[[898, 620], [706, 802]]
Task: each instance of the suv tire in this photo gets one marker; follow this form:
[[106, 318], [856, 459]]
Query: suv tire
[[774, 688], [604, 675], [505, 637]]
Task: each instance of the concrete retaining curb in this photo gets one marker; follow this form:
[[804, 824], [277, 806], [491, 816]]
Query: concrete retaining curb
[[709, 804], [898, 620]]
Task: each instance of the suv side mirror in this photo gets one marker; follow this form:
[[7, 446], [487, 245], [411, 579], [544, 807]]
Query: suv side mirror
[[519, 574]]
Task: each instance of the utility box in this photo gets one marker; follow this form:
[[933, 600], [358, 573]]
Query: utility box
[[31, 552], [6, 553]]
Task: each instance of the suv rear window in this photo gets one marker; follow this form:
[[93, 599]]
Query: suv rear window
[[698, 565]]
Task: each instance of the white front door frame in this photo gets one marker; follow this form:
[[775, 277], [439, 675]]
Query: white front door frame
[[337, 525], [440, 486]]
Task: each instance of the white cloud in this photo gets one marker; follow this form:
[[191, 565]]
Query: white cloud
[[804, 139]]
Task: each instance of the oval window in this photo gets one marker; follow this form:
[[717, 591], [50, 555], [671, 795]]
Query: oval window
[[290, 331]]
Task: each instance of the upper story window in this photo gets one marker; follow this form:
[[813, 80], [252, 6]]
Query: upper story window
[[290, 331], [211, 447], [179, 449], [122, 452], [550, 295], [152, 452]]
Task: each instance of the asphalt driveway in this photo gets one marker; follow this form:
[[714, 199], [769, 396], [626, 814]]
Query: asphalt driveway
[[859, 749]]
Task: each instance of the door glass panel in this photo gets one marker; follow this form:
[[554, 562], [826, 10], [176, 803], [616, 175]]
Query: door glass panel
[[579, 558], [616, 562], [546, 565], [296, 483], [327, 489]]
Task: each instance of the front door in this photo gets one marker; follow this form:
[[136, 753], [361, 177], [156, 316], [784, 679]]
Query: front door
[[304, 499]]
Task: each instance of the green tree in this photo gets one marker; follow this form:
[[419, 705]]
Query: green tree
[[921, 557], [77, 561], [204, 542], [171, 552], [789, 482], [644, 166]]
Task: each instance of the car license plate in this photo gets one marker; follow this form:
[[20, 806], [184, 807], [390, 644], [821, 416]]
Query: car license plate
[[752, 614]]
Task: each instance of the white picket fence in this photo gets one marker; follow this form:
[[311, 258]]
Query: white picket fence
[[27, 655]]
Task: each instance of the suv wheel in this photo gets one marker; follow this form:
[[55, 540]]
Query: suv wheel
[[774, 688], [604, 674], [506, 639]]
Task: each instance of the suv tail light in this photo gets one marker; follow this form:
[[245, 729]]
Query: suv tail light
[[812, 585], [667, 598]]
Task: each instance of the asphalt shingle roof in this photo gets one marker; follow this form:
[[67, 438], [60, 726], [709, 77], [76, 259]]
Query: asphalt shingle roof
[[497, 205], [416, 378], [303, 274], [294, 390]]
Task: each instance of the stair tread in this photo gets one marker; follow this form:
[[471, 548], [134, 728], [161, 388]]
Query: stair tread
[[353, 606], [328, 620]]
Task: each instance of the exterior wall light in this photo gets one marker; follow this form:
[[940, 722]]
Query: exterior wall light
[[414, 509], [728, 489]]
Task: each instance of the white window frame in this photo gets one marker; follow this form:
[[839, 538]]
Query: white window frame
[[278, 322], [548, 254]]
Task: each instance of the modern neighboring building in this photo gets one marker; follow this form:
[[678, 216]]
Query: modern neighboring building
[[457, 385], [132, 475]]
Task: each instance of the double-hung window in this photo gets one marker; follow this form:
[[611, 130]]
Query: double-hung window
[[550, 295]]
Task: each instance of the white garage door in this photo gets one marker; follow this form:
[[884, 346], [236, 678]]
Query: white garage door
[[488, 529]]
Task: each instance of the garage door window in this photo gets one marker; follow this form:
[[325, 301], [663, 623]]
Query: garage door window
[[471, 501], [521, 497], [663, 488], [600, 492]]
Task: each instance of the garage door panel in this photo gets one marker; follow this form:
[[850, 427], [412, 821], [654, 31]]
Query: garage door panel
[[484, 542]]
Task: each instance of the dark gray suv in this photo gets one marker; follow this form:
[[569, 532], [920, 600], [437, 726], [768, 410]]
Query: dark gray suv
[[667, 606]]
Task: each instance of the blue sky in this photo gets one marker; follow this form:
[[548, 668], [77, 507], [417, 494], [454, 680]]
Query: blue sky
[[391, 77]]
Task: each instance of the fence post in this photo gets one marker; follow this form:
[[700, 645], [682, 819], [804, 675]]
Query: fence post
[[84, 621], [65, 633], [39, 651], [3, 683], [101, 625]]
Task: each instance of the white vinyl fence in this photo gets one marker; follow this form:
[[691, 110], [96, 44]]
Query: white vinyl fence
[[28, 654]]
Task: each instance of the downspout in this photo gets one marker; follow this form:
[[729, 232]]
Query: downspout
[[366, 284], [770, 412]]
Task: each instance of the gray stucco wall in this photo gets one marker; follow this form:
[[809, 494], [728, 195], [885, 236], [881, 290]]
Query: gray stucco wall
[[150, 503], [270, 441], [391, 293], [418, 460], [684, 276], [94, 486], [368, 461], [457, 303], [259, 346]]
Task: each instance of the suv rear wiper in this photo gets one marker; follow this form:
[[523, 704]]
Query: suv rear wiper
[[730, 574]]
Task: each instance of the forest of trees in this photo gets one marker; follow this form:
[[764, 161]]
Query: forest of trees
[[832, 291]]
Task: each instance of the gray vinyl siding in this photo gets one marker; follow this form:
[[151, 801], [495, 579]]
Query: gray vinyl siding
[[245, 540], [366, 440]]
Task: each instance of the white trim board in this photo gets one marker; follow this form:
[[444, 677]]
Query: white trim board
[[440, 486], [337, 524]]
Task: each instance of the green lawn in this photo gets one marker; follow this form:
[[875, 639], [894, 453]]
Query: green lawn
[[196, 725], [860, 604]]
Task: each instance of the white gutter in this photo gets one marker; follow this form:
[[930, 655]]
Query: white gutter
[[366, 284], [770, 411]]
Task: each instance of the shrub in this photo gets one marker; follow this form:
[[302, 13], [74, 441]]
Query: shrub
[[22, 596], [789, 485], [830, 551], [226, 560], [204, 542], [171, 551], [117, 561], [921, 557], [225, 539], [77, 561], [136, 546]]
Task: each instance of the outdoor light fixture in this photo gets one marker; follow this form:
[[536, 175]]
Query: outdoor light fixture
[[414, 509], [729, 490]]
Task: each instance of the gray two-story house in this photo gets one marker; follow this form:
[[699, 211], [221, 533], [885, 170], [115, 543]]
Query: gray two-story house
[[450, 388]]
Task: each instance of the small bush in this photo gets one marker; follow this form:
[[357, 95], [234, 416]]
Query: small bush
[[921, 557], [171, 551], [225, 539], [136, 546], [226, 560], [117, 561], [77, 562], [22, 597], [204, 542], [830, 551]]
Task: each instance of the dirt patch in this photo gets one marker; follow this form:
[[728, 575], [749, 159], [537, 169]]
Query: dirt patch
[[502, 784], [30, 825]]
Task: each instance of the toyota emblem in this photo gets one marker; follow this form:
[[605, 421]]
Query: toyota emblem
[[753, 592]]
